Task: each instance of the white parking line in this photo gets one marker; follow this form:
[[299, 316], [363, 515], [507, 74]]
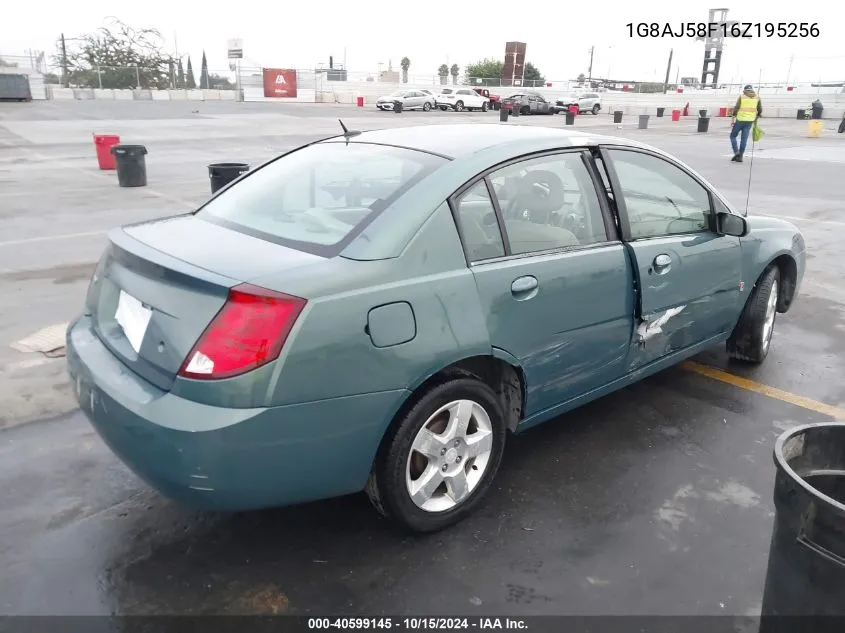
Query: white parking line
[[48, 238]]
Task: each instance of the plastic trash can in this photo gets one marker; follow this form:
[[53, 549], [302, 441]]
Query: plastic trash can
[[515, 109], [806, 566], [660, 112], [503, 114], [131, 165], [723, 112], [397, 107], [570, 118], [702, 114], [360, 101], [643, 122], [703, 124], [103, 144], [676, 115], [617, 116], [814, 128], [221, 174], [802, 114]]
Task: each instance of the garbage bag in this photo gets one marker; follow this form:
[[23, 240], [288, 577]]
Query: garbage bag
[[757, 132]]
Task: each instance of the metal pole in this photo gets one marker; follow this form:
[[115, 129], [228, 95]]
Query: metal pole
[[238, 79], [99, 77], [590, 71], [137, 77], [668, 69]]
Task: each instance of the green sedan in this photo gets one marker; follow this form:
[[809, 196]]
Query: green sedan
[[377, 311]]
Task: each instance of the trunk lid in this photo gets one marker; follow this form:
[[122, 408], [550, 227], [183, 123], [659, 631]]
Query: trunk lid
[[160, 284]]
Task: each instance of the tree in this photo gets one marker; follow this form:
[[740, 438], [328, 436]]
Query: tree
[[443, 71], [180, 76], [406, 64], [190, 82], [532, 76], [216, 82], [455, 70], [488, 71], [116, 56], [204, 83], [581, 78]]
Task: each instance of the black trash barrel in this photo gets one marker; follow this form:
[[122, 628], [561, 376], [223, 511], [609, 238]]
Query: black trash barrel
[[660, 112], [515, 109], [617, 116], [806, 567], [570, 118], [397, 106], [221, 174], [702, 114], [802, 114], [131, 165], [503, 114], [703, 124], [643, 122]]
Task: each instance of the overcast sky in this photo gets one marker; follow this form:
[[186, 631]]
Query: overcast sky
[[558, 34]]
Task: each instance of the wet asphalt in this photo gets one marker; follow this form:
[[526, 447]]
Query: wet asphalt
[[654, 500]]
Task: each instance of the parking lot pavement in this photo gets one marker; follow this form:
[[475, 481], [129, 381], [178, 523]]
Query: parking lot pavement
[[654, 500]]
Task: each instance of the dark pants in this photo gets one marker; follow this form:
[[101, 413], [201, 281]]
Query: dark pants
[[743, 127]]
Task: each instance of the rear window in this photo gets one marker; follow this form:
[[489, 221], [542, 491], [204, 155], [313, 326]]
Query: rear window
[[320, 197], [446, 91]]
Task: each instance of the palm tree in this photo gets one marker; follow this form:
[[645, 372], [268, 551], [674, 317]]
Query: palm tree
[[455, 71], [443, 71], [406, 64]]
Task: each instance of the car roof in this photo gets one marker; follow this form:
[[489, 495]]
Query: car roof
[[458, 140]]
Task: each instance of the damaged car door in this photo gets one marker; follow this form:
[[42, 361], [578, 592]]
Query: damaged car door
[[687, 275]]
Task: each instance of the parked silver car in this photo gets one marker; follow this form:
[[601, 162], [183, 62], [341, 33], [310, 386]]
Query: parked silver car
[[410, 99], [587, 102]]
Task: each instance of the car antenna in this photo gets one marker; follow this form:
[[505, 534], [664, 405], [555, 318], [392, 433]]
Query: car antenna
[[347, 133]]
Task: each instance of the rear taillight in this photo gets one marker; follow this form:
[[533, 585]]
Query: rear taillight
[[248, 332]]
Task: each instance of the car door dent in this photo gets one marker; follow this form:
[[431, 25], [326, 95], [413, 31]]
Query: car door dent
[[652, 325]]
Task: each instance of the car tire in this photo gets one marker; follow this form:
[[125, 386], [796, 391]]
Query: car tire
[[390, 483], [525, 110], [426, 106], [751, 339], [596, 109], [459, 106], [484, 107]]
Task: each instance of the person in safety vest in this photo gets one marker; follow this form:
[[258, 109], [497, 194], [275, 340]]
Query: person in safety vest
[[748, 108]]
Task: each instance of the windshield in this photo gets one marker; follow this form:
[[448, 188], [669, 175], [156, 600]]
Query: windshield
[[319, 197]]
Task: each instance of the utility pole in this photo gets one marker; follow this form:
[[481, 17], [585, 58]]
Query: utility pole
[[590, 71], [64, 63], [668, 68], [789, 72]]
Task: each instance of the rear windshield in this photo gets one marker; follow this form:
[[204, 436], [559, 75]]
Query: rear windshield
[[320, 197]]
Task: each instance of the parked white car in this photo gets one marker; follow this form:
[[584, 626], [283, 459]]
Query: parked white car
[[460, 99], [411, 100], [586, 102]]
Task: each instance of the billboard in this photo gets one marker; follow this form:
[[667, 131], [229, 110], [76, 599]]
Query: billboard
[[514, 67], [280, 82]]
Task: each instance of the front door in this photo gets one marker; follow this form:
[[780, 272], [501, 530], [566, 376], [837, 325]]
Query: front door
[[688, 276], [555, 283]]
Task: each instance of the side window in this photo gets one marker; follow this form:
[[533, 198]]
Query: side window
[[661, 198], [479, 226], [548, 203]]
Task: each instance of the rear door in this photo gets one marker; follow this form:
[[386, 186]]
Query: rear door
[[688, 276], [554, 280]]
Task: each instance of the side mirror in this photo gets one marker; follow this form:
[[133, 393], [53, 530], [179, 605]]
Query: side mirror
[[730, 224]]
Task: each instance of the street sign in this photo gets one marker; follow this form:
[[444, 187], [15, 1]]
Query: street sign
[[236, 48]]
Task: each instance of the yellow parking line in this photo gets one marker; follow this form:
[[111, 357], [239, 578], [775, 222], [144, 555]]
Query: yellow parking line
[[756, 387]]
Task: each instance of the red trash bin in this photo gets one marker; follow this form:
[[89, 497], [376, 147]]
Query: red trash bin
[[723, 112], [360, 102], [573, 109], [676, 115], [103, 143]]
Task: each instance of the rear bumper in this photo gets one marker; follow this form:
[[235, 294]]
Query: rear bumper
[[226, 459]]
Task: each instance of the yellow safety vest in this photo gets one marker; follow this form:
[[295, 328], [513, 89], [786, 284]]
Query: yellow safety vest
[[747, 109]]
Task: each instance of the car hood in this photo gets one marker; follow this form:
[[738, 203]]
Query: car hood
[[763, 222]]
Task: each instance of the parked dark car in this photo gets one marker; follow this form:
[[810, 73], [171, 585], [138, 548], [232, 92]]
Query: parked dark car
[[529, 103]]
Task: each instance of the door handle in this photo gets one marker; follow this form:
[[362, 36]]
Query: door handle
[[662, 263], [524, 286]]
